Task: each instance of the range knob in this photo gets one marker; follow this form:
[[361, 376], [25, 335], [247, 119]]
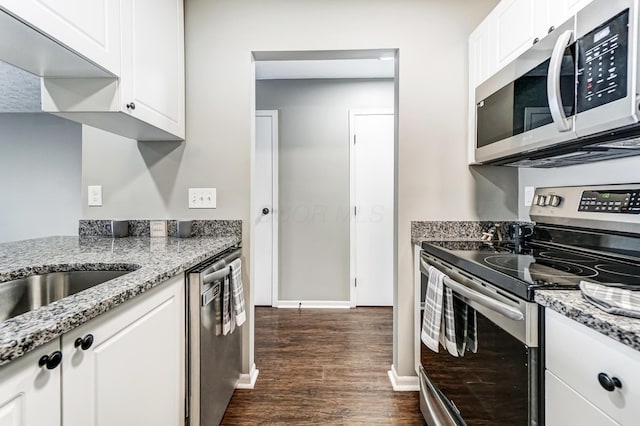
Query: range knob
[[542, 200], [555, 200]]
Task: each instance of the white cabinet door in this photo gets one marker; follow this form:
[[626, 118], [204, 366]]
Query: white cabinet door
[[563, 406], [30, 394], [88, 27], [564, 9], [153, 63], [516, 23], [133, 373]]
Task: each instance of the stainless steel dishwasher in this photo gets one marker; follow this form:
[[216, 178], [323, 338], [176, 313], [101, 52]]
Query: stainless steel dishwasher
[[213, 359]]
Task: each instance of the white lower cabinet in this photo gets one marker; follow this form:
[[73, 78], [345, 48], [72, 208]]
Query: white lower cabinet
[[564, 406], [602, 372], [125, 367], [29, 393]]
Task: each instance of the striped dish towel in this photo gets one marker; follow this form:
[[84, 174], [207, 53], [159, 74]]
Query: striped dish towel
[[612, 299], [448, 332], [237, 292], [432, 316], [226, 312], [466, 332]]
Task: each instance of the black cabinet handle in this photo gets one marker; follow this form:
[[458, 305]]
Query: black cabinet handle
[[85, 343], [265, 211], [551, 28], [609, 383], [131, 106], [50, 361], [535, 40]]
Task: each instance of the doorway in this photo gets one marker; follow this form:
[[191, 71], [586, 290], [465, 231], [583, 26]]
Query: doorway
[[314, 215]]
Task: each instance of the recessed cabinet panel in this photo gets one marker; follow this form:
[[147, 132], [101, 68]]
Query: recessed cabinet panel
[[89, 27], [515, 23], [133, 373], [153, 58], [30, 394]]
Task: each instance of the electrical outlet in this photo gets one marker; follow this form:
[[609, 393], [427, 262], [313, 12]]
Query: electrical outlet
[[158, 228], [202, 198], [94, 195], [529, 192]]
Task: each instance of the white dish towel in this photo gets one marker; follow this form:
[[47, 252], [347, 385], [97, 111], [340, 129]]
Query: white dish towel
[[432, 315], [237, 292]]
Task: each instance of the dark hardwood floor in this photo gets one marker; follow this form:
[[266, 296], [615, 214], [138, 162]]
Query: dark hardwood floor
[[323, 367]]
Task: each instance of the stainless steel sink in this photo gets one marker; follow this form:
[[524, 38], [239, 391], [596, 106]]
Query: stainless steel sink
[[27, 294]]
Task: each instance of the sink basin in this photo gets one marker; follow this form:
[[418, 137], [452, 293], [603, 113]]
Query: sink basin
[[26, 294]]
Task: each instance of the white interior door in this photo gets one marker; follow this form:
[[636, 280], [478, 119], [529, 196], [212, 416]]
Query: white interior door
[[264, 218], [372, 188]]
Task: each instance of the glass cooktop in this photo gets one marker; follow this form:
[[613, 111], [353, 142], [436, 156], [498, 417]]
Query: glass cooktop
[[522, 269]]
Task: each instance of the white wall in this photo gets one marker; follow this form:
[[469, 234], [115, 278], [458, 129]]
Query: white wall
[[434, 180], [40, 171], [625, 170], [314, 179]]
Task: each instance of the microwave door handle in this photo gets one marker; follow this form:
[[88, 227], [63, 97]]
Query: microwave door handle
[[482, 299], [553, 82]]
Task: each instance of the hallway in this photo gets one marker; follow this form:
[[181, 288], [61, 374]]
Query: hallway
[[323, 367]]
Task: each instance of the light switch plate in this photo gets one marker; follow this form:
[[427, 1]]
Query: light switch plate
[[158, 228], [529, 192], [94, 195], [202, 198]]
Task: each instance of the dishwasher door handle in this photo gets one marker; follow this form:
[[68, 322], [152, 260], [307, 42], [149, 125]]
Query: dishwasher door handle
[[482, 299], [216, 276]]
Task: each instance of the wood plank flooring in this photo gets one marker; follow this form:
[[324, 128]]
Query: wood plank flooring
[[323, 367]]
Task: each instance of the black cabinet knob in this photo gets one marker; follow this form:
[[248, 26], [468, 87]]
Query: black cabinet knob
[[265, 211], [609, 383], [535, 40], [551, 28], [131, 106], [50, 361], [85, 343]]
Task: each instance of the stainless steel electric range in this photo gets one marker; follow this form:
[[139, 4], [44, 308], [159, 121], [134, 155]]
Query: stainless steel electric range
[[580, 233]]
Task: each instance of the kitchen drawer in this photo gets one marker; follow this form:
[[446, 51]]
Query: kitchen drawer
[[563, 406], [576, 354]]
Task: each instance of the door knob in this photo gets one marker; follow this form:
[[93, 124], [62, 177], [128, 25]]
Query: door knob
[[265, 211], [50, 361], [84, 343]]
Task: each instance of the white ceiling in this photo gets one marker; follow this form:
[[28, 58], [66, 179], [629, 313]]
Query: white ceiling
[[339, 68]]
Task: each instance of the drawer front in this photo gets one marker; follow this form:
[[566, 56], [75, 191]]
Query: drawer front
[[565, 407], [577, 355]]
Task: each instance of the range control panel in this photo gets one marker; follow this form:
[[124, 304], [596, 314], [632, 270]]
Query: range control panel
[[618, 201]]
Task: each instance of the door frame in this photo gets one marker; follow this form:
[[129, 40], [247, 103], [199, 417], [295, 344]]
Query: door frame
[[353, 113], [273, 114]]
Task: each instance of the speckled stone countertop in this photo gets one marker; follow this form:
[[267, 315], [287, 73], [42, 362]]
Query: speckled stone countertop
[[454, 230], [156, 260], [571, 304]]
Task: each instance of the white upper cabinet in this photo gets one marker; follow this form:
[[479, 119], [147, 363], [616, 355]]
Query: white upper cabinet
[[153, 58], [147, 101], [510, 29], [90, 29], [516, 23]]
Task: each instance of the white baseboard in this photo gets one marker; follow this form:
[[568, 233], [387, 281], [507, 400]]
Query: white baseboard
[[403, 383], [315, 304], [248, 381]]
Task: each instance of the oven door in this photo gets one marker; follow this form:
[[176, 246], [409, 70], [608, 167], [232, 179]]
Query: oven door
[[498, 385]]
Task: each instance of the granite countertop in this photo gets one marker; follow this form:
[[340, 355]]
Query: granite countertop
[[155, 260], [571, 304]]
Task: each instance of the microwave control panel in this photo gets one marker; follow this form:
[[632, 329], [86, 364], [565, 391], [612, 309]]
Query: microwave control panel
[[602, 63], [618, 201]]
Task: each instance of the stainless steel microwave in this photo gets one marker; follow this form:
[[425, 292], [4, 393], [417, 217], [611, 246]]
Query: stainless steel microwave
[[571, 98]]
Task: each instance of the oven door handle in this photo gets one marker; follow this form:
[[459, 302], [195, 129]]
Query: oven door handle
[[482, 299]]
